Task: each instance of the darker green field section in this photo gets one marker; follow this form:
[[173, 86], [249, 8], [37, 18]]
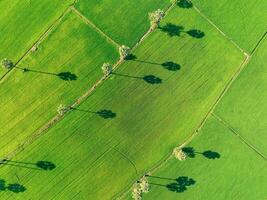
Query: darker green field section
[[150, 104], [66, 65], [244, 107], [219, 166], [243, 21], [124, 21], [21, 24]]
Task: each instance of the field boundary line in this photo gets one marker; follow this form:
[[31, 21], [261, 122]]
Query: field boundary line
[[263, 37], [89, 22], [45, 127], [199, 127], [126, 157], [228, 126], [37, 42], [218, 29]]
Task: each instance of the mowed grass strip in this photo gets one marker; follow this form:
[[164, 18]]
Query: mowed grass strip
[[131, 122], [243, 21], [124, 21], [218, 166], [23, 22], [244, 107], [66, 65]]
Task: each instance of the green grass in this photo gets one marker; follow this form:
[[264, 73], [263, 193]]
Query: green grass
[[243, 21], [124, 21], [30, 99], [244, 107], [95, 156], [239, 173], [21, 24]]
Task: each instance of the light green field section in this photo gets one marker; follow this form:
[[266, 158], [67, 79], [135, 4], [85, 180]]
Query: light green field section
[[125, 21], [66, 65], [237, 172], [152, 108], [22, 22], [244, 107], [243, 21]]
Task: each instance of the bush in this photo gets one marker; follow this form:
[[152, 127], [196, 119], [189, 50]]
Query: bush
[[7, 64]]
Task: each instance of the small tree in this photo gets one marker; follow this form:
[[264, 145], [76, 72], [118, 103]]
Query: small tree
[[62, 109], [155, 18], [107, 69], [124, 51], [179, 154], [7, 64], [136, 192]]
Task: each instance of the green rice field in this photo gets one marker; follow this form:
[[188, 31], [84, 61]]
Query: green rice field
[[197, 83]]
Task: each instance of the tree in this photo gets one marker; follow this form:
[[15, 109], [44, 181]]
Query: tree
[[144, 186], [155, 18], [124, 51], [179, 154], [136, 192], [7, 64], [62, 109], [107, 69]]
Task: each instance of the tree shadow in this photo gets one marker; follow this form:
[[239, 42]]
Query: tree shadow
[[171, 66], [151, 79], [175, 30], [179, 185], [104, 113], [45, 165], [190, 152], [39, 165], [196, 33], [172, 29], [130, 57], [15, 187], [66, 76], [184, 4], [211, 154]]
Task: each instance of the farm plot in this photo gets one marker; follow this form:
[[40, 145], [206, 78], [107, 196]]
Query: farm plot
[[243, 21], [219, 166], [23, 22], [244, 107], [151, 103], [66, 65], [125, 21]]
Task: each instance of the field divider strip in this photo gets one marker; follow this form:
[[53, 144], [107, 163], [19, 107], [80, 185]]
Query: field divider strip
[[89, 22], [217, 28], [228, 126], [37, 42], [199, 127], [259, 43]]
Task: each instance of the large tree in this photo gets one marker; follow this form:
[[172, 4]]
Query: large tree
[[155, 18], [62, 109], [124, 51], [107, 69], [179, 153]]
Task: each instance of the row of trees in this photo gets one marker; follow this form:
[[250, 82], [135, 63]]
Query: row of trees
[[155, 18]]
